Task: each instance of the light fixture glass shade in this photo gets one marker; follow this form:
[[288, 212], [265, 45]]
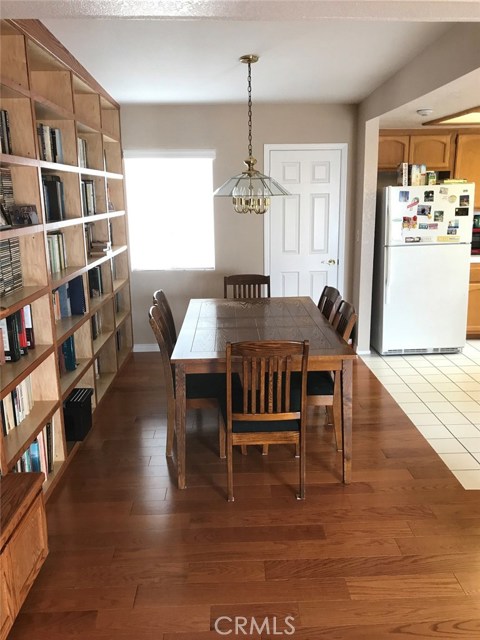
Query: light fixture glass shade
[[251, 190]]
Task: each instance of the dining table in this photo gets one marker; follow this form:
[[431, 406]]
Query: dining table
[[212, 322]]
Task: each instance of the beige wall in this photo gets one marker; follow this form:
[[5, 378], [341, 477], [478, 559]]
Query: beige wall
[[238, 238], [444, 65]]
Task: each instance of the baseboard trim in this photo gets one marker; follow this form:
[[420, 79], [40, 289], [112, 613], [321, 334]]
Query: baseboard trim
[[144, 348]]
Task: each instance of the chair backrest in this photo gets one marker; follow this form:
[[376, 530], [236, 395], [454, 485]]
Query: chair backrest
[[165, 344], [247, 285], [329, 302], [160, 299], [265, 369], [345, 320]]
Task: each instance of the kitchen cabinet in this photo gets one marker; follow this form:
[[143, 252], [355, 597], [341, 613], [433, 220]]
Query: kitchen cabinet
[[473, 317], [392, 150], [23, 541], [467, 161], [435, 150]]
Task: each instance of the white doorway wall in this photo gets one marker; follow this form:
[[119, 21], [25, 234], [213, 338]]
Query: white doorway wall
[[305, 232]]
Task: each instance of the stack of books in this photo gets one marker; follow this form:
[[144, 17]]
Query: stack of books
[[11, 277], [50, 143], [5, 140], [54, 197]]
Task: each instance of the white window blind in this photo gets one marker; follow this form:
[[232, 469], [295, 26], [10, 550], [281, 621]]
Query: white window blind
[[170, 209]]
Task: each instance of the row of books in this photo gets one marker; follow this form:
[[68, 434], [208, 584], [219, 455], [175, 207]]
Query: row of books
[[17, 334], [95, 247], [49, 143], [57, 251], [5, 139], [96, 321], [67, 359], [82, 152], [87, 193], [95, 282], [69, 299], [54, 197], [16, 405], [11, 277], [39, 456]]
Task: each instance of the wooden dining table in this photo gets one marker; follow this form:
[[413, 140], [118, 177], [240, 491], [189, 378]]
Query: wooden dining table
[[212, 322]]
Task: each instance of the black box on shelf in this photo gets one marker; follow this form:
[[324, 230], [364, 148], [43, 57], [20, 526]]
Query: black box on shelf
[[77, 414]]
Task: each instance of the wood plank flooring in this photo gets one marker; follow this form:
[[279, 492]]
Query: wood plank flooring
[[396, 554]]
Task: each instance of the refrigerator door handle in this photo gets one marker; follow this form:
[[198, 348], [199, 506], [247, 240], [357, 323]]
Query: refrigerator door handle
[[386, 296]]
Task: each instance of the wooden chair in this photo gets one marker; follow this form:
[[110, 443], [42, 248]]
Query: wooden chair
[[269, 407], [202, 390], [329, 302], [247, 286], [161, 300], [323, 387]]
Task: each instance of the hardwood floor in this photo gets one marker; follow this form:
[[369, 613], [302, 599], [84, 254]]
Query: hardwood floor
[[396, 554]]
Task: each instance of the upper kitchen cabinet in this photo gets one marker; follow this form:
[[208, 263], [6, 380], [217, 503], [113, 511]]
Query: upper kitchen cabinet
[[467, 161], [392, 150], [435, 150]]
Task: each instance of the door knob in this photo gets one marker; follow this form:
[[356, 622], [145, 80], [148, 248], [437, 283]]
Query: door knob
[[330, 262]]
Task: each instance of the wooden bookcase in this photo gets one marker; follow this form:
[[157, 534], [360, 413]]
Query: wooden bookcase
[[41, 83]]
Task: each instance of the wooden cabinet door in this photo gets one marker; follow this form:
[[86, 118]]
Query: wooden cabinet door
[[467, 161], [391, 151], [28, 549], [473, 317], [435, 151], [7, 597]]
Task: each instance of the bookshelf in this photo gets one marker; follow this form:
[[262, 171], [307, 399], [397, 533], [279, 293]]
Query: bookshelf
[[64, 156]]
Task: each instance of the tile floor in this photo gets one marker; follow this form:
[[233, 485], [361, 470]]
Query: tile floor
[[441, 396]]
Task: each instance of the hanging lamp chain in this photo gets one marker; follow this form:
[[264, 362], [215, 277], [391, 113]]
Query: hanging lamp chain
[[249, 110]]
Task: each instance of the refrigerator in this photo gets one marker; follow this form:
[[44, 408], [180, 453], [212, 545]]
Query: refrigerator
[[423, 241]]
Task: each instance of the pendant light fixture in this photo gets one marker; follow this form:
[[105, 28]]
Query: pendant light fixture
[[250, 190]]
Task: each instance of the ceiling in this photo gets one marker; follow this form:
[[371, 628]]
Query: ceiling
[[310, 51]]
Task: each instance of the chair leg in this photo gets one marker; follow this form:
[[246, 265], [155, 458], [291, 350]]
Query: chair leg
[[230, 468], [170, 429], [297, 450], [243, 447], [302, 469], [221, 437], [265, 450]]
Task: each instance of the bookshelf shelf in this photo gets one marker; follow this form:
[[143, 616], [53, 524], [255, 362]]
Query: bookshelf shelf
[[65, 158], [14, 372], [19, 439]]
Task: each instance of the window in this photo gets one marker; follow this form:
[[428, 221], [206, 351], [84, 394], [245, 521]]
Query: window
[[170, 206]]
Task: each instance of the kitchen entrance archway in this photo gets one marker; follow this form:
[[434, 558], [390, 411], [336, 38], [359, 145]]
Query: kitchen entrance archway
[[305, 232]]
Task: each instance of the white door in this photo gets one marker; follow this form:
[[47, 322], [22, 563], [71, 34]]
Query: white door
[[304, 238]]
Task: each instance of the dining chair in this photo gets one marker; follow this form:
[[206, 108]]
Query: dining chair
[[247, 285], [268, 406], [324, 387], [202, 390], [160, 298], [329, 302]]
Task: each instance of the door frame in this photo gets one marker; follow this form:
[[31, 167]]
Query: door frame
[[337, 146]]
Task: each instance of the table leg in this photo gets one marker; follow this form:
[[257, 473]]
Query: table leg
[[180, 422], [347, 384]]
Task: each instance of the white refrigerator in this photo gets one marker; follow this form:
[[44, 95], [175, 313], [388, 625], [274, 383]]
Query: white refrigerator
[[421, 269]]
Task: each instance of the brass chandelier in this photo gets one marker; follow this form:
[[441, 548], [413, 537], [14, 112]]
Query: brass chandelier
[[250, 190]]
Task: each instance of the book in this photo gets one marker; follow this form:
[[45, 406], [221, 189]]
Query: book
[[68, 350], [27, 310], [35, 456], [13, 354], [54, 198], [77, 296]]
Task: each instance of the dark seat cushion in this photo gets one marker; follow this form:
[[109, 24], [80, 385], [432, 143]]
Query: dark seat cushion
[[205, 385], [319, 383]]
